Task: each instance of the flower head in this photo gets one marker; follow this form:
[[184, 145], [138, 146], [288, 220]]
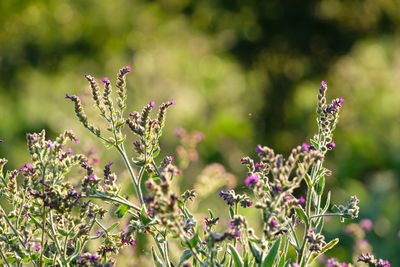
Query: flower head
[[323, 83], [152, 104], [173, 102], [105, 80], [251, 180], [331, 144]]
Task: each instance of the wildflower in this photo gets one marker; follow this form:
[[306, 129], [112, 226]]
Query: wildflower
[[173, 102], [366, 224], [93, 257], [50, 144], [70, 151], [323, 83], [37, 247], [152, 104], [301, 200], [106, 80], [331, 144], [251, 180], [28, 166], [67, 96], [311, 230], [273, 223], [128, 68], [307, 147], [221, 193], [256, 165], [258, 148]]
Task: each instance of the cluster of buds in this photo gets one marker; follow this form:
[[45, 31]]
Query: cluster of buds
[[232, 198], [350, 210], [210, 222], [273, 181], [372, 261], [316, 241], [328, 118], [148, 130], [88, 259]]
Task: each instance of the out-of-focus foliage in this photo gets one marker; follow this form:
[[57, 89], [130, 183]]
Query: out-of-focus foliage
[[242, 72]]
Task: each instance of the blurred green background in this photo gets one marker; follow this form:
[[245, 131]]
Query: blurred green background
[[242, 72]]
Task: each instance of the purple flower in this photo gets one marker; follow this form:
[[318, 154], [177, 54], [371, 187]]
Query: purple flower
[[331, 262], [50, 144], [91, 176], [90, 215], [341, 100], [278, 188], [70, 151], [173, 102], [128, 68], [93, 257], [237, 234], [331, 144], [172, 158], [221, 193], [98, 232], [323, 83], [37, 247], [311, 230], [258, 148], [76, 140], [383, 263], [256, 165], [301, 200], [67, 96], [231, 224], [28, 166], [366, 224], [106, 80], [251, 180], [152, 104], [344, 264], [273, 223], [306, 146]]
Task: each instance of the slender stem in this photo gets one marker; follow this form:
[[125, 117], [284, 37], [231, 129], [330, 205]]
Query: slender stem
[[121, 150], [43, 236], [118, 200], [4, 258], [194, 252], [56, 240], [160, 249], [326, 214]]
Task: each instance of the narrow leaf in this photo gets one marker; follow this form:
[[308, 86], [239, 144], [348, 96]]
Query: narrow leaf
[[320, 185], [255, 250], [156, 259], [112, 227], [301, 214], [185, 256], [328, 246], [122, 209], [235, 255], [269, 260]]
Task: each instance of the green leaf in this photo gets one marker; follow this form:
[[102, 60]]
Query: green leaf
[[269, 260], [301, 214], [320, 185], [231, 212], [288, 262], [328, 201], [194, 240], [320, 224], [122, 209], [282, 260], [315, 144], [47, 260], [235, 255], [246, 260], [156, 259], [255, 250], [112, 227], [138, 163], [211, 213], [307, 178], [62, 232], [328, 246], [185, 256]]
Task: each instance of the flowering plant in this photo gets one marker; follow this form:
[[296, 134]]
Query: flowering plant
[[50, 221]]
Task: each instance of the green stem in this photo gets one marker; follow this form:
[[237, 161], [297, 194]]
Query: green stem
[[64, 260], [326, 214], [121, 150], [118, 200], [295, 235], [43, 236], [4, 258]]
